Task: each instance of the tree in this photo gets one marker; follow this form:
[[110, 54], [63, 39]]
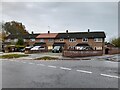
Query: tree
[[15, 28], [116, 41], [20, 41]]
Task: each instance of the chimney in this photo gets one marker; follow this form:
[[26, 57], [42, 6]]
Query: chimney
[[32, 32], [88, 30], [66, 31], [48, 32]]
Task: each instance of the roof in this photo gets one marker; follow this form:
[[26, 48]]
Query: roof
[[27, 36], [47, 35], [81, 35]]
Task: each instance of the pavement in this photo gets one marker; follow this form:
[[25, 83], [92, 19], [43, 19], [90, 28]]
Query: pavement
[[115, 57], [94, 73]]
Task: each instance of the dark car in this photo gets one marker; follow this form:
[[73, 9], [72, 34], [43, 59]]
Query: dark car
[[57, 49]]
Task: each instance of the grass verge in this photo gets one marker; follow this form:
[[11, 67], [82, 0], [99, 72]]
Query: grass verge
[[46, 58], [13, 56]]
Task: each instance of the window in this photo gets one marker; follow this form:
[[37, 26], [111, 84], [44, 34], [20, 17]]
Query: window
[[72, 40], [98, 39], [32, 39], [24, 40], [15, 40], [61, 39], [85, 40], [8, 40], [41, 40], [50, 40]]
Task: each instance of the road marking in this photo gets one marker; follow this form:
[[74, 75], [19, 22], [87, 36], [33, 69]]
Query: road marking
[[52, 66], [106, 75], [40, 64], [11, 60], [64, 68], [84, 71], [23, 62], [31, 63]]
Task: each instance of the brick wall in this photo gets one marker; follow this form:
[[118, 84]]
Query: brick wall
[[114, 51], [82, 53]]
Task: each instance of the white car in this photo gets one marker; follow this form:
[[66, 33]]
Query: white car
[[38, 48]]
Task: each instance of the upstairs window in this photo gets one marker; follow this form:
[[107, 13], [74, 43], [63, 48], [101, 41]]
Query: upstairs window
[[15, 40], [98, 39], [61, 39], [72, 40], [85, 40], [51, 40], [41, 40], [32, 39]]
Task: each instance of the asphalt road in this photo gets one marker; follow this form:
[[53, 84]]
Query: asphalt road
[[59, 74]]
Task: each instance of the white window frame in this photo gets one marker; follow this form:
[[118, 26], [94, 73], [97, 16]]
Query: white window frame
[[42, 40], [15, 40], [61, 39], [86, 40], [32, 40], [72, 40], [50, 40], [98, 39], [24, 40]]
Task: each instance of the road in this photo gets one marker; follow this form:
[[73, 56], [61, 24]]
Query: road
[[59, 74]]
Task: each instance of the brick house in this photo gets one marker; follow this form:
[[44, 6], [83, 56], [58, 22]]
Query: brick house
[[29, 39], [46, 39], [72, 39], [93, 39]]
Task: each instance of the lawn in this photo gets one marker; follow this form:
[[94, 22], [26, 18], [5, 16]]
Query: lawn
[[9, 56], [46, 58]]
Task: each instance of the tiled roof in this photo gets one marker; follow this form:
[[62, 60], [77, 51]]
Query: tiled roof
[[47, 35], [81, 35]]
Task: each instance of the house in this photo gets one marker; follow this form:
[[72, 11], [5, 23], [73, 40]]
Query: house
[[73, 39], [70, 40], [29, 39], [46, 39]]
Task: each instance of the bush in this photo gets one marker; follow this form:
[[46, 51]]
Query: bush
[[46, 58], [13, 56]]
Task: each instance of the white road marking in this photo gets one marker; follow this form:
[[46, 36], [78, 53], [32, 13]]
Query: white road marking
[[31, 63], [106, 75], [40, 64], [65, 68], [23, 62], [11, 60], [84, 71], [52, 66]]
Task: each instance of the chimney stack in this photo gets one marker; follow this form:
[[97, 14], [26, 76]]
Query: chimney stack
[[88, 30], [66, 31], [32, 32], [48, 32]]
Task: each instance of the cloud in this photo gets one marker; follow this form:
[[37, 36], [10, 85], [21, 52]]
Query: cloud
[[74, 16]]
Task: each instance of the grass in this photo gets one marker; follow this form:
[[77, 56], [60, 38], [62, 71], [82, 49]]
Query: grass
[[9, 56], [46, 58]]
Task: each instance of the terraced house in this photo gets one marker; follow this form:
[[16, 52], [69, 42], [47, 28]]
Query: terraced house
[[70, 40]]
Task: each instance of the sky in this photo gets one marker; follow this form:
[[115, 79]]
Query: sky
[[61, 16]]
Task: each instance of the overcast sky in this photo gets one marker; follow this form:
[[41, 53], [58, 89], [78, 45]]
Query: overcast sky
[[74, 16]]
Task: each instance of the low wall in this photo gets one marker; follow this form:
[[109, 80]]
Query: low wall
[[82, 53], [114, 51]]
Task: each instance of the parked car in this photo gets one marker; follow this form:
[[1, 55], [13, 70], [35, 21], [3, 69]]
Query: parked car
[[28, 47], [84, 48], [37, 48], [57, 49]]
